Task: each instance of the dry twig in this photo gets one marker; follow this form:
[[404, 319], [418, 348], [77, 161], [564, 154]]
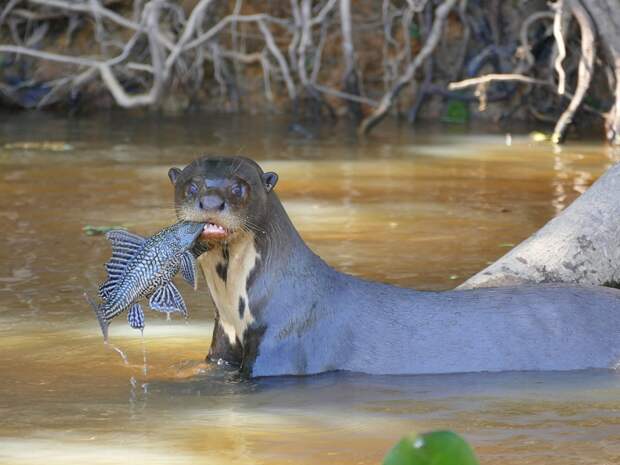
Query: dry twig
[[388, 99]]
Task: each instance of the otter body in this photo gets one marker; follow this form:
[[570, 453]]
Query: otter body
[[281, 310]]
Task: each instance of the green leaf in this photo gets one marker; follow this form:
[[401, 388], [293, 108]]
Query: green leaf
[[91, 230], [435, 448], [593, 102], [414, 31], [457, 112]]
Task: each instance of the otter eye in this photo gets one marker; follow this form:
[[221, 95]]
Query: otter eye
[[238, 190], [191, 189]]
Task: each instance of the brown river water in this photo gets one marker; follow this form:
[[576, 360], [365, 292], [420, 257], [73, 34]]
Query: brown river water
[[424, 209]]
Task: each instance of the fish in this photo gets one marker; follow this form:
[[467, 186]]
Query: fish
[[143, 268]]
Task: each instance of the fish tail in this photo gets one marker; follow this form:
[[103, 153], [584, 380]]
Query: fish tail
[[99, 313]]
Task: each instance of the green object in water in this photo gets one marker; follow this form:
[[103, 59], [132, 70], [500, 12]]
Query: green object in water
[[456, 112], [435, 448], [90, 230], [46, 145]]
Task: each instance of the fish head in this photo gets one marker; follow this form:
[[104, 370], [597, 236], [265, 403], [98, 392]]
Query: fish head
[[229, 195], [187, 232]]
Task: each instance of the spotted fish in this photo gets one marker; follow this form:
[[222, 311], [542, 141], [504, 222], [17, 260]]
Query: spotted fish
[[143, 268]]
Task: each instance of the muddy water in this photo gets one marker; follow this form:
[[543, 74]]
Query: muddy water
[[423, 209]]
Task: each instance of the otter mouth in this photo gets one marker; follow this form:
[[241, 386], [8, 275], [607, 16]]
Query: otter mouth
[[213, 231]]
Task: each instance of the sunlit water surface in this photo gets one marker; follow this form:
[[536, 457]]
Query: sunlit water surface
[[424, 209]]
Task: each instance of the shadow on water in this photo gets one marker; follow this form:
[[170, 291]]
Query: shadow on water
[[348, 389]]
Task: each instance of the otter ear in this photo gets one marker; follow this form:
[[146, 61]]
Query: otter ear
[[270, 180], [173, 174]]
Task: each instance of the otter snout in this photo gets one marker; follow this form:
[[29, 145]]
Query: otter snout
[[212, 203]]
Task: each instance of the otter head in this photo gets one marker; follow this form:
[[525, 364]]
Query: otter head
[[229, 194]]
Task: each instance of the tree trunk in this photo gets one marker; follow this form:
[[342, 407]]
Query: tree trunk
[[581, 245]]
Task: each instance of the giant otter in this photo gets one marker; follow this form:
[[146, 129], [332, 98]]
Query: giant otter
[[281, 310]]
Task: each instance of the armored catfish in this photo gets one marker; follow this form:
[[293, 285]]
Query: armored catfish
[[143, 268]]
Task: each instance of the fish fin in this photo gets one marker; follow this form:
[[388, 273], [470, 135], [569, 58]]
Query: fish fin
[[188, 269], [168, 299], [124, 246], [121, 237], [103, 322], [135, 317], [106, 289], [115, 273]]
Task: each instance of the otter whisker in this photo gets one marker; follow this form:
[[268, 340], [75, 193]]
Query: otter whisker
[[254, 227]]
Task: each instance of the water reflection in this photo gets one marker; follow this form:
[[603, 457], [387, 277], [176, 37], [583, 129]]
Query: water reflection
[[424, 210]]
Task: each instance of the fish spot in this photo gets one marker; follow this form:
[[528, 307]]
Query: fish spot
[[222, 270], [241, 307]]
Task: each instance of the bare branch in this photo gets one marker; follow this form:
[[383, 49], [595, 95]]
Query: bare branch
[[196, 16], [48, 56], [586, 68], [246, 58], [294, 43], [235, 33], [152, 97], [105, 67], [525, 48], [304, 42], [211, 33], [433, 39], [560, 21], [7, 9], [105, 12], [322, 15], [347, 36], [267, 76], [345, 95], [495, 77], [277, 54], [318, 53]]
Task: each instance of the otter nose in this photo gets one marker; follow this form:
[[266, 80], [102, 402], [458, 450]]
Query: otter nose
[[212, 202]]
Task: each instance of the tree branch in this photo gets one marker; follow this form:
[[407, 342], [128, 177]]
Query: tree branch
[[560, 22], [495, 77], [586, 68], [388, 99]]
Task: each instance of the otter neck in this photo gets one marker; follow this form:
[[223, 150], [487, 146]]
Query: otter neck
[[227, 267], [241, 274], [278, 240]]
